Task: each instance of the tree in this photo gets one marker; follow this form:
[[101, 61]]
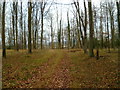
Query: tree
[[52, 45], [91, 31], [36, 28], [25, 34], [84, 24], [3, 32], [13, 23], [42, 7], [21, 26], [95, 25], [29, 27], [16, 12], [78, 31], [68, 30], [107, 28], [118, 19], [101, 26], [59, 36], [111, 13]]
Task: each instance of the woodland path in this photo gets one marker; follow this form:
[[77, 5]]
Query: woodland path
[[59, 69]]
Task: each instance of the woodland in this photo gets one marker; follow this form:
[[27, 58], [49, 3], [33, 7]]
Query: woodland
[[54, 44]]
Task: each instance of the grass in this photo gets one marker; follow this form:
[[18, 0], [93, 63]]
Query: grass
[[20, 65], [89, 72], [35, 70]]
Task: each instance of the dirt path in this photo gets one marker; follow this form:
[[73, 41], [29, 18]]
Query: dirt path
[[61, 76], [53, 74]]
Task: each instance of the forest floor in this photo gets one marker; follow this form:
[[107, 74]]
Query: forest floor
[[60, 69]]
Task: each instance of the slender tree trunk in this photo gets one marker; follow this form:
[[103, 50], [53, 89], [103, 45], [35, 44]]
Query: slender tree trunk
[[78, 32], [24, 34], [118, 20], [21, 24], [17, 48], [13, 23], [101, 27], [3, 32], [108, 30], [36, 30], [101, 32], [29, 27], [68, 31], [85, 29], [118, 17], [91, 41], [52, 46], [41, 29], [97, 42], [59, 36]]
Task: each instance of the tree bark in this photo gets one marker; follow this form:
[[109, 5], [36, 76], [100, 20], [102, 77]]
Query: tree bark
[[29, 27], [13, 23], [91, 41], [3, 32], [17, 48], [68, 31]]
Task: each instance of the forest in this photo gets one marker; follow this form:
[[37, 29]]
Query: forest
[[60, 44]]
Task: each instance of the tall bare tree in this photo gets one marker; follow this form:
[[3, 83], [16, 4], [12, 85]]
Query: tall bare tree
[[84, 24], [3, 32], [13, 23], [21, 26], [107, 28], [111, 13], [118, 19], [16, 13], [42, 7], [29, 27], [52, 45], [101, 25], [91, 31], [68, 30]]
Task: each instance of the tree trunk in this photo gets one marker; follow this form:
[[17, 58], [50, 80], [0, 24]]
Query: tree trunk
[[68, 31], [29, 27], [118, 17], [41, 29], [24, 34], [52, 34], [85, 29], [13, 23], [108, 30], [91, 41], [3, 32], [21, 24], [17, 48]]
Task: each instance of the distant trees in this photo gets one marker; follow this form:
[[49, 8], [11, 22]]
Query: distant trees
[[3, 32], [73, 34]]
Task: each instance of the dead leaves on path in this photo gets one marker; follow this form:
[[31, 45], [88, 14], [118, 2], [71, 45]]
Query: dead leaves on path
[[61, 77]]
